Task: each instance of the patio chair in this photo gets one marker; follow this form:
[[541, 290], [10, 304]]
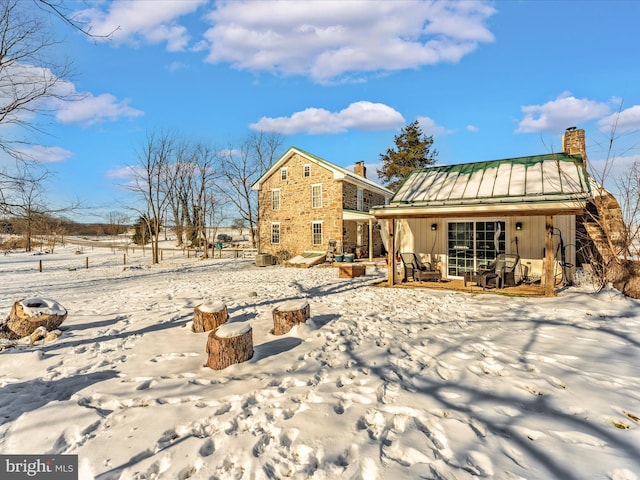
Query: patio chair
[[501, 273], [418, 270]]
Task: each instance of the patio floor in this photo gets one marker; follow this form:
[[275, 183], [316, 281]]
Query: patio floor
[[455, 285], [458, 285]]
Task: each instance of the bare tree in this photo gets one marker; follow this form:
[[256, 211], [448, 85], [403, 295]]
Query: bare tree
[[30, 81], [58, 8], [609, 231], [241, 168], [202, 201], [116, 226], [178, 177], [24, 198], [150, 184]]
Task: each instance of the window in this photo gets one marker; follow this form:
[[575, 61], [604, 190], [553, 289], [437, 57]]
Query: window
[[306, 170], [275, 199], [316, 233], [316, 196], [359, 204], [473, 245], [275, 233], [283, 173]]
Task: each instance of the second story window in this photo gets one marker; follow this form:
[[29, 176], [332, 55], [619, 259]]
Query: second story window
[[316, 196], [283, 173], [275, 199], [306, 170], [359, 206]]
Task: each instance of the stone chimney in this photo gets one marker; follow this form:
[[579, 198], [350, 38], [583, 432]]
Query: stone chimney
[[360, 169], [573, 142]]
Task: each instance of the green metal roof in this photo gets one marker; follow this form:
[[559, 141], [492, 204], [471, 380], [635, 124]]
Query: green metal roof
[[537, 178]]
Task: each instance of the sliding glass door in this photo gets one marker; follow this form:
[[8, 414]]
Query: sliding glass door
[[472, 245]]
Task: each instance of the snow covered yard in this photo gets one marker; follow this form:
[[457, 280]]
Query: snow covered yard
[[381, 383]]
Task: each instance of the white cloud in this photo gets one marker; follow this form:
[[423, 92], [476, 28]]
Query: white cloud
[[626, 121], [365, 116], [556, 115], [612, 170], [175, 66], [153, 22], [331, 41], [429, 127], [124, 173], [68, 105], [472, 128], [94, 109], [45, 154]]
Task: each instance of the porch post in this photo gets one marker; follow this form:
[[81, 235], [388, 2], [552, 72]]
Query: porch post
[[371, 240], [549, 258], [391, 256]]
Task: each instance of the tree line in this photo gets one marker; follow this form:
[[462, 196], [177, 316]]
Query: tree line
[[195, 187]]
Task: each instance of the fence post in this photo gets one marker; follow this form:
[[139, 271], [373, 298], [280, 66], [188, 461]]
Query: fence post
[[86, 263], [124, 258], [40, 265]]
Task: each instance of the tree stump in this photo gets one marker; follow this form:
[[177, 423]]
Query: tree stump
[[289, 314], [29, 314], [228, 344], [209, 316]]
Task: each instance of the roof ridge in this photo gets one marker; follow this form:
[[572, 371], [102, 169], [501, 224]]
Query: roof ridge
[[523, 159]]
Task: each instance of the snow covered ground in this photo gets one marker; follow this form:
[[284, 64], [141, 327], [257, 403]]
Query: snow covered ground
[[381, 383]]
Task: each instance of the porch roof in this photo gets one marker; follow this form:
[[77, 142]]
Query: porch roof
[[356, 215], [542, 184]]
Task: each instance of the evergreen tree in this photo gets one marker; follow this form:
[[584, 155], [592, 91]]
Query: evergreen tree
[[413, 150], [141, 230]]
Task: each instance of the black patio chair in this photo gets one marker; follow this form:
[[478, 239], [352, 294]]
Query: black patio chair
[[501, 273], [418, 270]]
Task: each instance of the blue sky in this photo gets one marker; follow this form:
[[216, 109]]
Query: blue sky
[[339, 79]]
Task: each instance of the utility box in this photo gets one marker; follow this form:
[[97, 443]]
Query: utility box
[[265, 260]]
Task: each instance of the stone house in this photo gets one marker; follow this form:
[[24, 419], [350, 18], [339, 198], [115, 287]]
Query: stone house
[[306, 202]]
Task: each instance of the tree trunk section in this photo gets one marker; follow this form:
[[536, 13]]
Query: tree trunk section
[[22, 324], [229, 348], [209, 316], [289, 314]]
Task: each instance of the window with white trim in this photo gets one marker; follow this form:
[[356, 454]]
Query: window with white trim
[[316, 233], [316, 196], [275, 233], [306, 170], [283, 173], [359, 200], [275, 199]]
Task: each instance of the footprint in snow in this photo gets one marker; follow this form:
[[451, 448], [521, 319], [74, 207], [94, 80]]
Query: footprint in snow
[[388, 392], [207, 448]]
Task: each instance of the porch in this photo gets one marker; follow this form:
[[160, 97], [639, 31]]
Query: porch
[[456, 285]]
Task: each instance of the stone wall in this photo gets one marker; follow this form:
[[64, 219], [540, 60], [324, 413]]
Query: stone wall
[[296, 214], [350, 198]]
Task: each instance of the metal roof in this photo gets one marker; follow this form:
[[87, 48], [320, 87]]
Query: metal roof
[[553, 177]]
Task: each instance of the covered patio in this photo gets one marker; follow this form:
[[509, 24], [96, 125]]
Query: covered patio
[[463, 216]]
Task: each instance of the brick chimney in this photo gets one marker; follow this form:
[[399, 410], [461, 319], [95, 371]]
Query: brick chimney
[[360, 169], [573, 142]]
